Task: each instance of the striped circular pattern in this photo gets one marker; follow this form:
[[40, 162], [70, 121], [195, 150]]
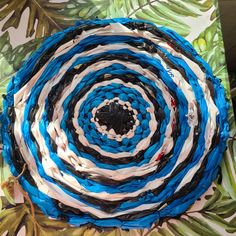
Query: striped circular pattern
[[120, 124]]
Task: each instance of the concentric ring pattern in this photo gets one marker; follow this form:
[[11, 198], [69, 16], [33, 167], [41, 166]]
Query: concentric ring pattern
[[120, 123]]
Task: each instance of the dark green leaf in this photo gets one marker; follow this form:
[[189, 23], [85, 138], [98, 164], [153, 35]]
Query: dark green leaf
[[41, 12], [12, 59], [22, 52], [8, 188], [233, 221], [14, 218], [213, 199], [11, 219], [229, 174], [221, 222]]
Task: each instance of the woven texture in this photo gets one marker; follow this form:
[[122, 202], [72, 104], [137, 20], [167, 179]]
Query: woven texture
[[120, 123]]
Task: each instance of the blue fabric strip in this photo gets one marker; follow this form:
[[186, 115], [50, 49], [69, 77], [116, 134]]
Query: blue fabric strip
[[174, 208]]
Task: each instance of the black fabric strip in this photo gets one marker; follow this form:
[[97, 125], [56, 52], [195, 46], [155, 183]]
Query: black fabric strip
[[19, 162], [183, 191], [135, 215], [144, 65], [159, 114], [131, 25]]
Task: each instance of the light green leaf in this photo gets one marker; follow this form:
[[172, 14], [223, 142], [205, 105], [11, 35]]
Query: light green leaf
[[196, 228], [200, 224], [164, 232], [151, 15], [165, 13], [209, 44], [46, 16], [173, 229], [6, 68], [202, 6], [169, 13], [181, 9]]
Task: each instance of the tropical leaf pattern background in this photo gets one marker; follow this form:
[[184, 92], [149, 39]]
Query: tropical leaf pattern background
[[24, 24]]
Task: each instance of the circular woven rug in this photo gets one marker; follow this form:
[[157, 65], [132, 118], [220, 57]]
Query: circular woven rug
[[120, 124]]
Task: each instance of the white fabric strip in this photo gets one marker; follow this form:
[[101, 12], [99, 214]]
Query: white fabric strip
[[140, 146], [52, 170]]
